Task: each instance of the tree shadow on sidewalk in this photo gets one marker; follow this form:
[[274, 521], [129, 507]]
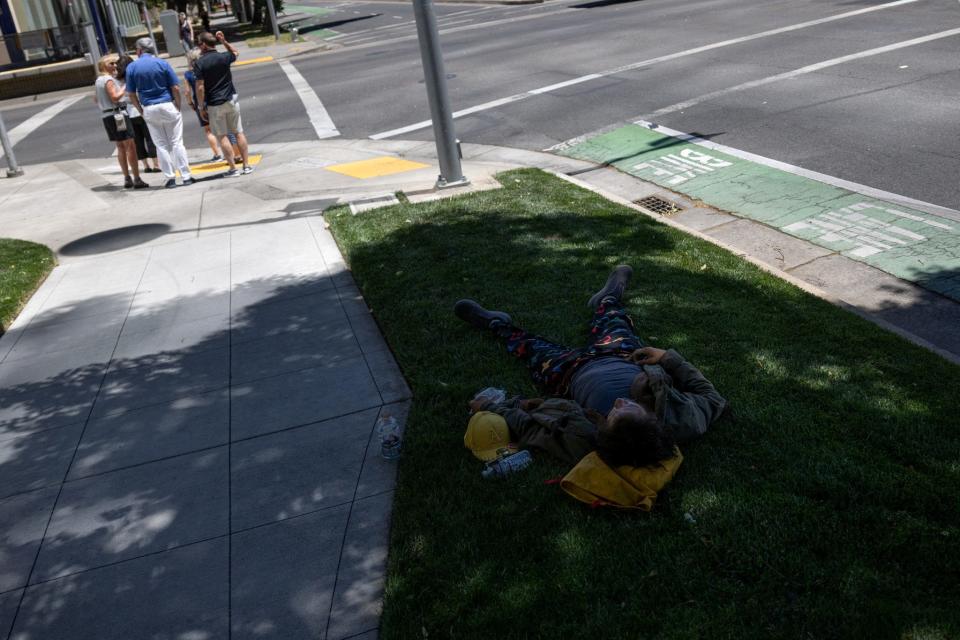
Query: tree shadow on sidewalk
[[137, 544]]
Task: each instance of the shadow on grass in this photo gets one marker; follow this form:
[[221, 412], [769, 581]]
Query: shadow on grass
[[828, 509]]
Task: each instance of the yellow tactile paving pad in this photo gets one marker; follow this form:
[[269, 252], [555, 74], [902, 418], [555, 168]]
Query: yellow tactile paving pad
[[240, 63], [216, 167], [376, 167]]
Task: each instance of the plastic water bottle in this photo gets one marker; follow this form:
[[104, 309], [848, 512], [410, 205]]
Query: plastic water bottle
[[502, 467], [491, 394], [390, 441]]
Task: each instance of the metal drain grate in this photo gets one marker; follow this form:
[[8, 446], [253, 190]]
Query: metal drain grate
[[657, 204]]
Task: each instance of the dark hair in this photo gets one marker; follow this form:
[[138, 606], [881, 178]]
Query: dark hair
[[634, 441], [122, 64], [208, 39]]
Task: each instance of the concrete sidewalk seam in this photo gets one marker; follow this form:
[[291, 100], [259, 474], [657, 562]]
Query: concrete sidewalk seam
[[66, 472]]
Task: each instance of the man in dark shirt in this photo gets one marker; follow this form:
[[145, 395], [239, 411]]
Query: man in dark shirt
[[217, 98], [651, 397]]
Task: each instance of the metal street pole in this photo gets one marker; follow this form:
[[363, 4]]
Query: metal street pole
[[114, 26], [146, 16], [72, 11], [273, 19], [13, 169], [93, 45], [448, 150]]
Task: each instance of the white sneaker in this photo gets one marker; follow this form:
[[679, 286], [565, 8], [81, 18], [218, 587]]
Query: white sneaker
[[232, 173], [247, 170]]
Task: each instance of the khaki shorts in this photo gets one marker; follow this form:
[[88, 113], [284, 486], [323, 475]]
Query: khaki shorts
[[225, 118]]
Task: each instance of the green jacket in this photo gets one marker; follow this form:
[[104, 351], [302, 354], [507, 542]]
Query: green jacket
[[685, 401], [557, 426]]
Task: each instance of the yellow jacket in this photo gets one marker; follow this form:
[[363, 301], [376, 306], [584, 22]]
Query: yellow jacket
[[595, 483]]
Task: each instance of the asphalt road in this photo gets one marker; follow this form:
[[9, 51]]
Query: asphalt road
[[886, 118]]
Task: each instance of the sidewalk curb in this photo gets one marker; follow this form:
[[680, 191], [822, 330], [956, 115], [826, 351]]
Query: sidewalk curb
[[568, 168], [918, 315], [783, 275]]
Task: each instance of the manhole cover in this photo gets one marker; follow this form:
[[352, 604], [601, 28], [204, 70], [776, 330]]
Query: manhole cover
[[657, 204]]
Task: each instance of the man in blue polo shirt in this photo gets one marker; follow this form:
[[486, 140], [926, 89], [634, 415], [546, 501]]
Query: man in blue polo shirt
[[154, 90]]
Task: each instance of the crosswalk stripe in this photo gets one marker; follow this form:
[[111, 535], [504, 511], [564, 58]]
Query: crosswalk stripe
[[37, 120], [319, 118]]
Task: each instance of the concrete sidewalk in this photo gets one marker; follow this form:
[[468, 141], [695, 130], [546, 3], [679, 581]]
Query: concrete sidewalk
[[187, 424]]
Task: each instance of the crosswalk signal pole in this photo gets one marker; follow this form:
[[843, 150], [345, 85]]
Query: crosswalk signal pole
[[13, 169], [115, 26], [273, 19], [448, 149], [146, 17]]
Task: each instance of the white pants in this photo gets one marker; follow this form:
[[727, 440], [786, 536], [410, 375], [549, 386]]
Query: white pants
[[166, 128]]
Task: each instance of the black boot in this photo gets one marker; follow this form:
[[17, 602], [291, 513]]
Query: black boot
[[470, 311], [614, 288]]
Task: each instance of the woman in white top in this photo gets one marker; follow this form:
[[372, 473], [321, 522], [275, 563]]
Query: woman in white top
[[109, 96]]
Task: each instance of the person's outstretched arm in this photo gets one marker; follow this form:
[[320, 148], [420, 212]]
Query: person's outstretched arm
[[699, 393], [222, 39], [567, 437]]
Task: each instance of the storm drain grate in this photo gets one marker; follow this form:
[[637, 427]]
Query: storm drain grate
[[657, 204]]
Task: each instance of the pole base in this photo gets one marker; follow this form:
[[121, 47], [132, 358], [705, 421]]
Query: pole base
[[14, 173], [443, 184]]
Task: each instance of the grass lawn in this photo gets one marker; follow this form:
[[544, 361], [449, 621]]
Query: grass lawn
[[264, 38], [829, 509], [23, 266]]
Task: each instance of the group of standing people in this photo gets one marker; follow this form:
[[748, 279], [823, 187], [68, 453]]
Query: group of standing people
[[140, 104]]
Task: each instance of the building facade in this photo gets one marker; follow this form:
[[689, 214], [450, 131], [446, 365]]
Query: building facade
[[43, 31]]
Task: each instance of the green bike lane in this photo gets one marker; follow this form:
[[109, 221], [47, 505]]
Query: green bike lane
[[913, 245]]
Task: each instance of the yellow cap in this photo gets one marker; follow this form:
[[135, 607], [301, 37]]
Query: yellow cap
[[487, 433]]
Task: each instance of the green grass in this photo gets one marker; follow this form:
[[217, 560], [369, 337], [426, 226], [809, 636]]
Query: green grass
[[828, 509], [23, 266], [264, 38]]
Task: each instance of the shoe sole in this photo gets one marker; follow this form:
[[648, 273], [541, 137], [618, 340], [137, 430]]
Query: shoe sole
[[466, 310], [622, 273]]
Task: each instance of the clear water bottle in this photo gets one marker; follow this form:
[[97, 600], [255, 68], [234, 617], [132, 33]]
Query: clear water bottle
[[491, 394], [390, 437], [502, 467]]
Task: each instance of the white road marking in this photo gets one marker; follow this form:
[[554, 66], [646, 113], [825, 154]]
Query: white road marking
[[686, 104], [567, 83], [467, 12], [37, 120], [367, 35], [867, 235], [470, 27], [807, 173], [392, 27], [319, 118], [628, 67]]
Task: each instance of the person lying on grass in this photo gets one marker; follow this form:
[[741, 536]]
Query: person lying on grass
[[631, 402]]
